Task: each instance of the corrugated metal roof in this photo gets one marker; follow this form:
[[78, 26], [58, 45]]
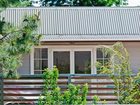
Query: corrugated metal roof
[[76, 23]]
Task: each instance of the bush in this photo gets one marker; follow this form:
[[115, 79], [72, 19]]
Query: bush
[[95, 100], [127, 87], [133, 97], [52, 94]]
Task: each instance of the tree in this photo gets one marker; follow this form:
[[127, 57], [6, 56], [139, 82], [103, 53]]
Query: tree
[[19, 3], [3, 3], [16, 42], [83, 2], [106, 2], [15, 3]]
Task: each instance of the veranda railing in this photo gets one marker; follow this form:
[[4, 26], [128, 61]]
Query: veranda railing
[[29, 87]]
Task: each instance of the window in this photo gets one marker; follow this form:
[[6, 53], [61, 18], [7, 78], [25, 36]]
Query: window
[[61, 59], [102, 58], [70, 60], [82, 62], [40, 60]]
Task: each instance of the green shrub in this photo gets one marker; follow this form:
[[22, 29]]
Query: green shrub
[[52, 95], [127, 87], [133, 97], [95, 100]]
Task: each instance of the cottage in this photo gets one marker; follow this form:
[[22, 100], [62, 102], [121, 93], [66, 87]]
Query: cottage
[[72, 35]]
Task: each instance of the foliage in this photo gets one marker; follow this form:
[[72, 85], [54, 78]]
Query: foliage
[[82, 2], [106, 2], [134, 94], [127, 89], [18, 3], [14, 3], [95, 100], [27, 3], [16, 42], [3, 3], [52, 95]]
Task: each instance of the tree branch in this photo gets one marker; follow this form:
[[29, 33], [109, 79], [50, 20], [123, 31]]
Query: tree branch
[[6, 35]]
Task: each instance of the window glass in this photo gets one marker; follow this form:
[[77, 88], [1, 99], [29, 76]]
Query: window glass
[[45, 53], [102, 59], [82, 62], [40, 60], [99, 53], [37, 64], [37, 53], [61, 60]]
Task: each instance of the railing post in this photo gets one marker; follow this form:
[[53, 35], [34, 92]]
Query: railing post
[[1, 90], [69, 79]]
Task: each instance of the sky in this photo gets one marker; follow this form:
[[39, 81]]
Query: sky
[[133, 2]]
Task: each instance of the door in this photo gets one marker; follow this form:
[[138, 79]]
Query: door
[[61, 59], [82, 62]]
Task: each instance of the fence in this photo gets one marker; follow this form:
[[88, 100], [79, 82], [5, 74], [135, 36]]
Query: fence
[[1, 89], [29, 87]]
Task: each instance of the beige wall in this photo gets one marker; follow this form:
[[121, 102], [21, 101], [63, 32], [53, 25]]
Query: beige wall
[[132, 47], [25, 68], [134, 52]]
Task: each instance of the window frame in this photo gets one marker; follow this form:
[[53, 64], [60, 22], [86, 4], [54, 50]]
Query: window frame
[[32, 70], [72, 49], [87, 50], [61, 51], [72, 59], [40, 58], [103, 59]]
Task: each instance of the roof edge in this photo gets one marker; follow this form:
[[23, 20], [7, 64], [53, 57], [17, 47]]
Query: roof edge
[[130, 7]]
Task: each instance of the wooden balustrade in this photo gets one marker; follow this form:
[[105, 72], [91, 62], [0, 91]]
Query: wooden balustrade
[[29, 87]]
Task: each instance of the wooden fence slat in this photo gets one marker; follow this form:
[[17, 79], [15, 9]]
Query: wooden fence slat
[[21, 94], [37, 94], [19, 89], [32, 86], [89, 77], [94, 83], [28, 83], [1, 89], [89, 99]]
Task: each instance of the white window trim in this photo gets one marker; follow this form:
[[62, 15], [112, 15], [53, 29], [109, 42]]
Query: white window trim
[[32, 61], [32, 58], [100, 46], [61, 49], [72, 49], [90, 57]]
